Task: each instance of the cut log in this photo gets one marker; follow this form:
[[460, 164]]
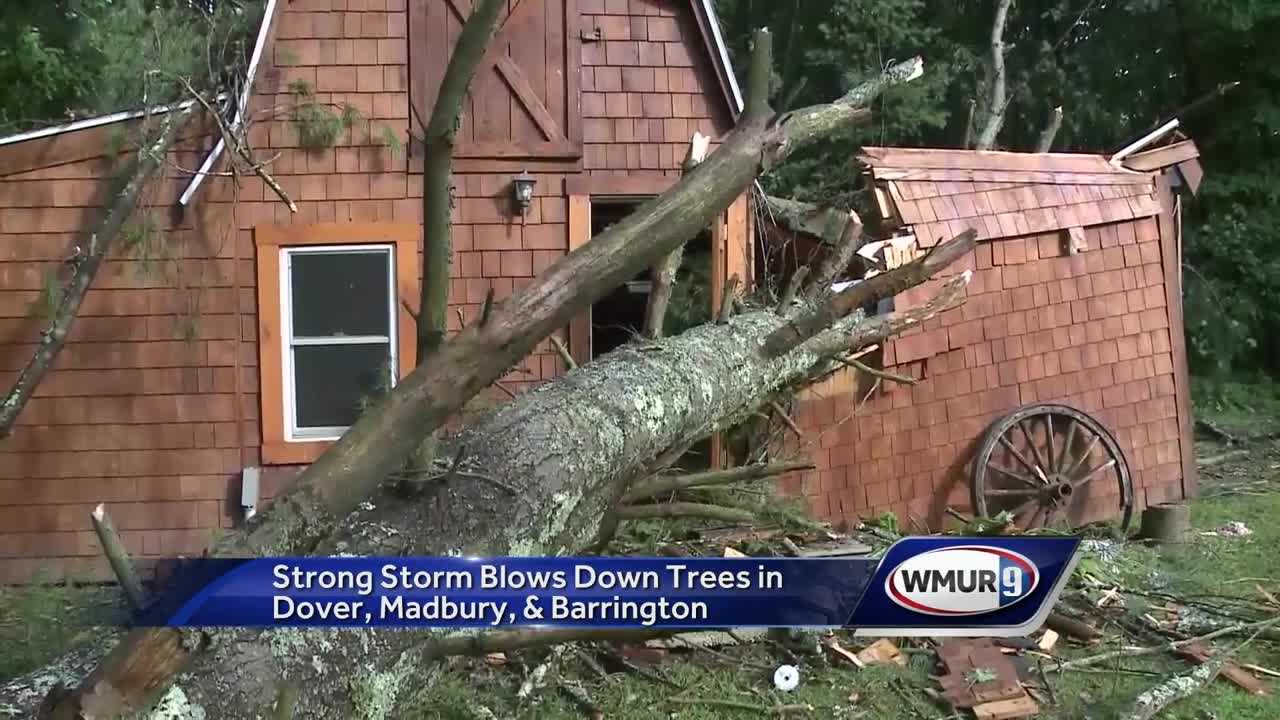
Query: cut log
[[1073, 628]]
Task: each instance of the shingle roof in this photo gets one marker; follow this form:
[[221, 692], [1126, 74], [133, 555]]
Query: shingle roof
[[941, 193]]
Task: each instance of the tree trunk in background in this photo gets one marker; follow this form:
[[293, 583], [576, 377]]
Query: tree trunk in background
[[996, 101]]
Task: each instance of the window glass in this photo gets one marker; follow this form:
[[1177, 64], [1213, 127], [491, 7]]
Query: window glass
[[339, 335], [339, 293], [334, 381]]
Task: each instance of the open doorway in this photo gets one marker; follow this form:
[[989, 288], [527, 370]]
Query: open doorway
[[618, 318]]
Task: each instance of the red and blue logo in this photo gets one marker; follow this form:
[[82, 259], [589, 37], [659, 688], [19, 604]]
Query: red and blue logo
[[962, 580]]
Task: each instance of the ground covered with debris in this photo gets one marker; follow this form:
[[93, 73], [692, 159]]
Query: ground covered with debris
[[1121, 644]]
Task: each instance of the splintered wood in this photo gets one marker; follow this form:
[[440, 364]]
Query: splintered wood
[[1199, 654], [882, 652]]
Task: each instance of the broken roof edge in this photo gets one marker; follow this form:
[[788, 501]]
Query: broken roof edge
[[709, 22], [994, 161], [93, 122], [242, 104]]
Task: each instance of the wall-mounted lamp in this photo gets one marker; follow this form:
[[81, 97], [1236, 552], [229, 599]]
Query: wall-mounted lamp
[[522, 189]]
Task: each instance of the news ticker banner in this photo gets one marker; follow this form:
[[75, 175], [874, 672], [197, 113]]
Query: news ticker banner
[[933, 586]]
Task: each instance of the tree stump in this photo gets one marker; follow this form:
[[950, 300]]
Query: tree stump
[[1166, 523]]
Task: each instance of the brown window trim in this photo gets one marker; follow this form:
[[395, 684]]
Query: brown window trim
[[269, 239]]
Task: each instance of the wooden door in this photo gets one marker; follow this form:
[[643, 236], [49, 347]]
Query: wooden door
[[523, 103]]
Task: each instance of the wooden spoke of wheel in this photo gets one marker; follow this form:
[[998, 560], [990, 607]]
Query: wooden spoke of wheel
[[1025, 463], [1030, 482], [1104, 466], [1066, 446], [1083, 456], [1035, 449], [1048, 438], [1012, 492]]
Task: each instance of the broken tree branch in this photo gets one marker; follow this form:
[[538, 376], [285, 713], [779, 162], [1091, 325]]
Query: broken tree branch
[[792, 287], [685, 509], [122, 198], [820, 316], [969, 130], [875, 372], [995, 104], [563, 352], [1045, 142], [663, 484], [844, 240], [1173, 646], [663, 275], [118, 557]]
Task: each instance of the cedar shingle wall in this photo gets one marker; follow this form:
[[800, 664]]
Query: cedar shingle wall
[[1089, 330], [143, 410]]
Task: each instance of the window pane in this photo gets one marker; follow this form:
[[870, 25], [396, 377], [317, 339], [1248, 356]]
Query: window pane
[[331, 381], [339, 293]]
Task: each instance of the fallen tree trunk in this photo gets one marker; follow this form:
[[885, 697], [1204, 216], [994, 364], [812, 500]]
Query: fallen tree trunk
[[555, 459]]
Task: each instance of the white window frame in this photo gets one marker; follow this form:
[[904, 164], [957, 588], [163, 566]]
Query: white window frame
[[293, 433]]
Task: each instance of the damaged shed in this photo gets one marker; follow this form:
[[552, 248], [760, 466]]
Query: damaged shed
[[1058, 391]]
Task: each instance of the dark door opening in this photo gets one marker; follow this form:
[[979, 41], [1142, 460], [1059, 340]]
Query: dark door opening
[[618, 317]]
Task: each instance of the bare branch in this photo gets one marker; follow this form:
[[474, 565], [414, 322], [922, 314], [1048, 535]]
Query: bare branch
[[821, 316], [563, 352], [684, 509], [662, 484]]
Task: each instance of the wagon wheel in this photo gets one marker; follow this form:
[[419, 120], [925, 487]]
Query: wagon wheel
[[1044, 463]]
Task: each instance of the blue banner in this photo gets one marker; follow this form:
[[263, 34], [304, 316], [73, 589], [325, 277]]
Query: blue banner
[[925, 585]]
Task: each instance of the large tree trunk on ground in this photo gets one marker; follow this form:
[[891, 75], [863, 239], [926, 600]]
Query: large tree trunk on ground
[[554, 461]]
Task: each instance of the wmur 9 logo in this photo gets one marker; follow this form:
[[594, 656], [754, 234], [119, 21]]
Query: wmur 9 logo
[[962, 580]]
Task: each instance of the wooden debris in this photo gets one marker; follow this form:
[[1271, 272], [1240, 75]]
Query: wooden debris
[[834, 646], [1258, 669], [882, 652], [732, 553], [495, 659], [1200, 654], [1073, 628], [1019, 707], [1048, 640], [977, 672]]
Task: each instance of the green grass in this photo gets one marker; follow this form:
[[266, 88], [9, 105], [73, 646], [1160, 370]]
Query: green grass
[[41, 620]]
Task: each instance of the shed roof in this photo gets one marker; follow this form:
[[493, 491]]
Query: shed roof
[[941, 193]]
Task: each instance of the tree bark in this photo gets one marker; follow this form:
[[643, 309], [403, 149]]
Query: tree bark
[[437, 174], [996, 101], [123, 199], [559, 509]]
